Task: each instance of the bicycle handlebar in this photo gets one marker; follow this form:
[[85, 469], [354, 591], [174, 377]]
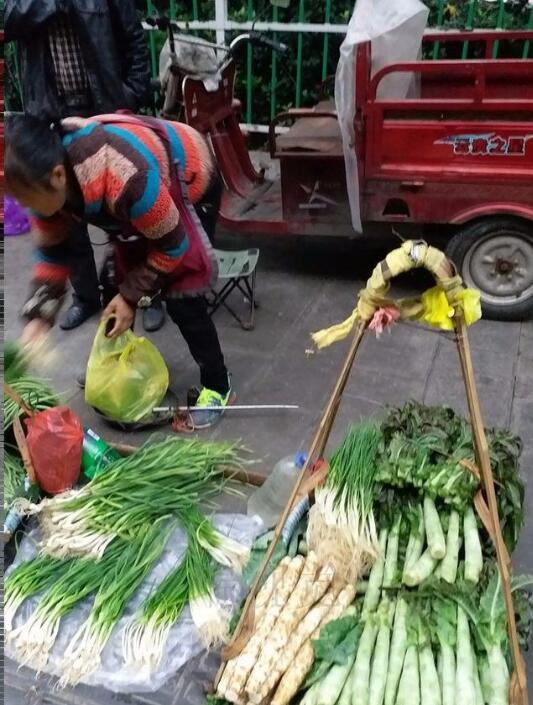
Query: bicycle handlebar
[[163, 23], [259, 40]]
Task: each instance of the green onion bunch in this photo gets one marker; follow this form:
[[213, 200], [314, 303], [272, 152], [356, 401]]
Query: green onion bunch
[[35, 392], [223, 549], [74, 580], [14, 478], [145, 637], [209, 616], [161, 479], [341, 526], [28, 579], [193, 580], [114, 590]]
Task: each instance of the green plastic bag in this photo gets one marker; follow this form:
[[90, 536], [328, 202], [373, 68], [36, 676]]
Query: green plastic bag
[[126, 376]]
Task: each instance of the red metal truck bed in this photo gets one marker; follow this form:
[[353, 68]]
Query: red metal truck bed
[[460, 149], [463, 148]]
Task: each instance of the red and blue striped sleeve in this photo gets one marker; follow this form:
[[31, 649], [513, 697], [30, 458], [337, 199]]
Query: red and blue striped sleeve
[[147, 204], [51, 270]]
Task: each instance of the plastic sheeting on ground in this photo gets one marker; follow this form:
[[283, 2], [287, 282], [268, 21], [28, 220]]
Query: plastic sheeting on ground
[[183, 643]]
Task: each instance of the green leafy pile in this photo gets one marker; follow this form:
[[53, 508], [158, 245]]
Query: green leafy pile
[[422, 449]]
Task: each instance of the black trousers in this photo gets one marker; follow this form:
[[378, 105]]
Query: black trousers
[[191, 316], [83, 277]]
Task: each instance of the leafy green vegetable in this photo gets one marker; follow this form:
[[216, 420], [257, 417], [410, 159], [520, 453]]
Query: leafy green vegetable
[[337, 643], [421, 452], [332, 643], [257, 555]]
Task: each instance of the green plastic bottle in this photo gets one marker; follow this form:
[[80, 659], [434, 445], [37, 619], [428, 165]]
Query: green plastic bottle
[[97, 455]]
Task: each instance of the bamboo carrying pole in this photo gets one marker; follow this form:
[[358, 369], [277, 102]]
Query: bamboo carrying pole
[[245, 625], [518, 691], [488, 511]]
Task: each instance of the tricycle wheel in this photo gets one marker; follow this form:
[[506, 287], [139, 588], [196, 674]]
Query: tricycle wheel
[[495, 256]]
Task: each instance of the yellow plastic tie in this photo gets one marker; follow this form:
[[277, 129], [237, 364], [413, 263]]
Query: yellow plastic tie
[[436, 307], [327, 336]]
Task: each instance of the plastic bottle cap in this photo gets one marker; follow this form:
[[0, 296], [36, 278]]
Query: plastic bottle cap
[[299, 460]]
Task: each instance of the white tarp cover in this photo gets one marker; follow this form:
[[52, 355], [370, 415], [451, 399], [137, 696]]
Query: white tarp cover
[[194, 58], [395, 29]]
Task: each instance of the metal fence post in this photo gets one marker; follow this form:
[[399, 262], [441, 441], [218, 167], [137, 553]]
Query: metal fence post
[[221, 18], [274, 70], [299, 56]]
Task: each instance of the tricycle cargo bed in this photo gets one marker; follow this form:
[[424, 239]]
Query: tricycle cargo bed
[[470, 131], [459, 147]]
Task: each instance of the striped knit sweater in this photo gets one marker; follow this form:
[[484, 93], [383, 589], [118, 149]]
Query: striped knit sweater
[[124, 177]]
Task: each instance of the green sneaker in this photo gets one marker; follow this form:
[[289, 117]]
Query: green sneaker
[[209, 416]]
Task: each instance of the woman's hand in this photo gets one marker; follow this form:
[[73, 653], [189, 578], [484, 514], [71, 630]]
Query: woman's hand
[[34, 331], [124, 315]]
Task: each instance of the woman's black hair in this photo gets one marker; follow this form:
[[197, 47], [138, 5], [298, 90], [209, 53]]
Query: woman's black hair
[[33, 149]]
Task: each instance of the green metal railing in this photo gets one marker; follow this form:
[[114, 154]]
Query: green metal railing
[[294, 82], [314, 30]]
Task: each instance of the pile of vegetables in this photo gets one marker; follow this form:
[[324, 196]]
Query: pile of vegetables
[[428, 624], [164, 479], [423, 448], [101, 541], [296, 601], [434, 646], [341, 522]]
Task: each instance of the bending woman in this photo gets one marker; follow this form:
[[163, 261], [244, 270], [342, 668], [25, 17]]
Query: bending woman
[[125, 175]]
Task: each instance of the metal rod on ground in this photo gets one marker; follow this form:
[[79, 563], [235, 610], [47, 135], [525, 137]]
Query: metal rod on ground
[[229, 407], [245, 625]]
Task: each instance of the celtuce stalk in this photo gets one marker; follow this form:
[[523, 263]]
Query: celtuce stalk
[[391, 558], [450, 562], [272, 586], [299, 659]]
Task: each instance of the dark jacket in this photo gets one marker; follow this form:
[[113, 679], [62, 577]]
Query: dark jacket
[[113, 45]]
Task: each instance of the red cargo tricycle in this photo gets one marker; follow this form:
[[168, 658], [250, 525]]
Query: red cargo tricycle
[[459, 154]]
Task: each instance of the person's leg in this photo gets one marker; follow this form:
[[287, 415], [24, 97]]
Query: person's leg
[[191, 316], [154, 316], [84, 279], [209, 206]]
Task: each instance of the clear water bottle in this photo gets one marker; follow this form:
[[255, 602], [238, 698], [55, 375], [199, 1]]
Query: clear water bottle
[[268, 502]]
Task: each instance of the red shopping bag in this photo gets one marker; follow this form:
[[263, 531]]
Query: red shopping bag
[[55, 442]]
